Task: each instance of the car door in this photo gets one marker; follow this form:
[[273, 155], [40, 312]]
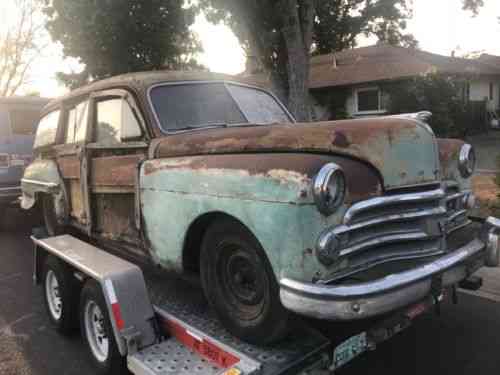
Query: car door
[[70, 156], [118, 146]]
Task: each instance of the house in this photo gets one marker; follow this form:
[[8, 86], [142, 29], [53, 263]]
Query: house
[[362, 73]]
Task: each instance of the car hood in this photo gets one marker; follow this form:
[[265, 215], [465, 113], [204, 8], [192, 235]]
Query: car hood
[[404, 151]]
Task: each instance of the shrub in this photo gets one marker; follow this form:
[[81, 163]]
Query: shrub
[[432, 92]]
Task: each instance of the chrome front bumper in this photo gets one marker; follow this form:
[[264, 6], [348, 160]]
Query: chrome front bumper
[[363, 300]]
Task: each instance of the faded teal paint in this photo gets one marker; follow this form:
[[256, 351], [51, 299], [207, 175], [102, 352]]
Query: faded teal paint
[[286, 224], [407, 157]]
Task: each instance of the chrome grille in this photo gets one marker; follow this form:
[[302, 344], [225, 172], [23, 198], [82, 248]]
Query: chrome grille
[[393, 227], [456, 211]]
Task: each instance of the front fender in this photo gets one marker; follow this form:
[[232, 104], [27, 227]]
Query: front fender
[[268, 193], [43, 177], [449, 150]]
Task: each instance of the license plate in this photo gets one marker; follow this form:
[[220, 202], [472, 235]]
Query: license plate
[[349, 350]]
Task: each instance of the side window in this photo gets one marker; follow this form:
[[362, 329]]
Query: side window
[[24, 121], [116, 122], [47, 129], [76, 130]]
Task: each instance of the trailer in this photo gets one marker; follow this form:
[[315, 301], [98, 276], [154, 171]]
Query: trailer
[[151, 325]]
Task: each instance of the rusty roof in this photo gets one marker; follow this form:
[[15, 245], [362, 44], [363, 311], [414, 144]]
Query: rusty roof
[[385, 62], [141, 81]]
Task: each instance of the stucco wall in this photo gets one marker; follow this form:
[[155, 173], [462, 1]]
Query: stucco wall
[[480, 89]]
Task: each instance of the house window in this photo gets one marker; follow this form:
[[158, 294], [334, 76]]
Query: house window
[[368, 100], [491, 90]]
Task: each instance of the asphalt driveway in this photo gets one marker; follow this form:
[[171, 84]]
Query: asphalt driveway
[[463, 340]]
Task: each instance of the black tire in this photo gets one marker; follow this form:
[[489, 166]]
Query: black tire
[[65, 316], [49, 217], [113, 362], [240, 285]]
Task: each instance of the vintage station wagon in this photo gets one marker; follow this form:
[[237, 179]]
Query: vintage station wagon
[[199, 173]]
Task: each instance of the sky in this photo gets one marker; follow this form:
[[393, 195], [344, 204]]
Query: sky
[[440, 26]]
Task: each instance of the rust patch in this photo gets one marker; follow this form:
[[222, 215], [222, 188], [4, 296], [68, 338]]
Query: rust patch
[[115, 171], [329, 137], [449, 150], [362, 180], [340, 140], [69, 167]]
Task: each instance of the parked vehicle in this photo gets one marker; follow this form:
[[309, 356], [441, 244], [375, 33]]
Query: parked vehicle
[[198, 173], [493, 120], [18, 119]]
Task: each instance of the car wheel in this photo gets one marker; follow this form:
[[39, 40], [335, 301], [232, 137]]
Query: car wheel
[[60, 295], [49, 216], [239, 283], [96, 328]]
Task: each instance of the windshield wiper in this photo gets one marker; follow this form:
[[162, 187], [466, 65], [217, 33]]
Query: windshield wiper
[[208, 126]]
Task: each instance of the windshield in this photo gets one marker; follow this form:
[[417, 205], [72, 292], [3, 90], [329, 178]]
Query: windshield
[[198, 105]]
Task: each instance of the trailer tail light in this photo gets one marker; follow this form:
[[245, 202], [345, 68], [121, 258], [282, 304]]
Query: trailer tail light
[[115, 306]]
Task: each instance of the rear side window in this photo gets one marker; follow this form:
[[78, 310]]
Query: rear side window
[[47, 129], [109, 114], [24, 121], [76, 130], [116, 122]]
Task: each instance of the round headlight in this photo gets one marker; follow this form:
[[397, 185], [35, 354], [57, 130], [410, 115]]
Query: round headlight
[[467, 161], [329, 188]]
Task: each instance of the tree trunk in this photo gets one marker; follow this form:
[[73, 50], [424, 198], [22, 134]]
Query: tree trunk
[[297, 33]]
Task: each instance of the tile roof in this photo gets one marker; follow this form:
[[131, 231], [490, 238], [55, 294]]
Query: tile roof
[[384, 62]]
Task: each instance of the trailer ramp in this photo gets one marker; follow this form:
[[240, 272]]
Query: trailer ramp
[[163, 325]]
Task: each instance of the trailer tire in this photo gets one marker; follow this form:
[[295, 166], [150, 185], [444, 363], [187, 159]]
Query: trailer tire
[[97, 331], [61, 291], [240, 285]]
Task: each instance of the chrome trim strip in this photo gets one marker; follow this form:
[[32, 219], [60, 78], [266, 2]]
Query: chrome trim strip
[[460, 226], [458, 195], [456, 214], [50, 185], [393, 258], [388, 218], [390, 200], [384, 240]]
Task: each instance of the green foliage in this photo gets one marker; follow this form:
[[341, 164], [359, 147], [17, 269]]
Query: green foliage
[[435, 93], [282, 33], [473, 5], [119, 36], [339, 22]]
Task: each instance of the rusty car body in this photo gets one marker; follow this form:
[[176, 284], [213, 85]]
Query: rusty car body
[[336, 220]]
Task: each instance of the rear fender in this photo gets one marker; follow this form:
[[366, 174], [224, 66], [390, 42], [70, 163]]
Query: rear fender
[[43, 177]]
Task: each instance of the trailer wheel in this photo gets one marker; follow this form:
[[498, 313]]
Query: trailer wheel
[[60, 295], [96, 327], [240, 284]]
